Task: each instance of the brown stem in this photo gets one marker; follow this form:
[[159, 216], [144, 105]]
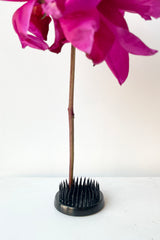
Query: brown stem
[[71, 115]]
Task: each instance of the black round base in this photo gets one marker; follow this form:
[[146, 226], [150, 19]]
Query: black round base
[[82, 199], [75, 211]]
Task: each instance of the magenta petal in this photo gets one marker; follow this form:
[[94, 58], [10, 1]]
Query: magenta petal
[[137, 6], [112, 14], [127, 40], [15, 0], [32, 41], [61, 4], [21, 17], [79, 29], [155, 8], [60, 39], [118, 61], [103, 41], [81, 5], [133, 44], [146, 8], [39, 24], [21, 23]]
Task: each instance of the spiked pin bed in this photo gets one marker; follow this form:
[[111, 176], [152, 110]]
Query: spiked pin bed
[[82, 194], [82, 198]]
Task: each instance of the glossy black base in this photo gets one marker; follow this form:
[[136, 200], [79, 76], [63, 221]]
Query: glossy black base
[[82, 199]]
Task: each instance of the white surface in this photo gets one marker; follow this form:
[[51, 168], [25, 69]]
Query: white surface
[[132, 211], [117, 130]]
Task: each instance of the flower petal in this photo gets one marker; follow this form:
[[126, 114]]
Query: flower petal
[[39, 24], [61, 4], [103, 41], [21, 17], [133, 44], [118, 61], [80, 5], [15, 0], [60, 39], [79, 29], [146, 8], [112, 14], [21, 23], [118, 26], [32, 41], [155, 8]]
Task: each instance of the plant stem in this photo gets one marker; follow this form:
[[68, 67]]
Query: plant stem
[[71, 115]]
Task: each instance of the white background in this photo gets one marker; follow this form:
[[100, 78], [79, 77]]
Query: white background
[[117, 128]]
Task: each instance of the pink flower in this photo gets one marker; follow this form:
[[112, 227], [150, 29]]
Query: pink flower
[[30, 18], [96, 27]]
